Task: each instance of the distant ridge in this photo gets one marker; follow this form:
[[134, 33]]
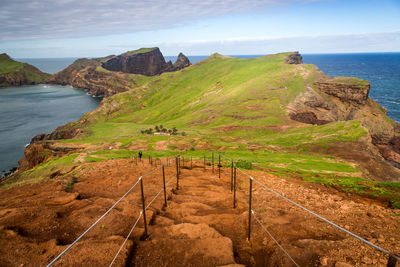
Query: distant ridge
[[15, 73]]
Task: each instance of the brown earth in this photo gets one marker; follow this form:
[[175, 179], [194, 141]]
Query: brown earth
[[199, 227]]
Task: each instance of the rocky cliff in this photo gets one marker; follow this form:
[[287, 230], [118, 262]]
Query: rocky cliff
[[182, 62], [88, 74], [294, 58], [114, 74], [147, 62], [343, 99], [14, 73]]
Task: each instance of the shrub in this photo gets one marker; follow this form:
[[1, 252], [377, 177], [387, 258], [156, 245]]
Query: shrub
[[244, 164]]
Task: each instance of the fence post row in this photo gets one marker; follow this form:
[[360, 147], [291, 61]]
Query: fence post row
[[144, 208], [250, 194]]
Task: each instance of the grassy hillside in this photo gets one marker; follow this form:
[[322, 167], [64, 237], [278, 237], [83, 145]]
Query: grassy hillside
[[237, 106], [17, 73]]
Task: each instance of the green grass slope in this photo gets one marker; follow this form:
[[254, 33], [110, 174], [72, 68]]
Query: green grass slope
[[14, 73], [237, 106]]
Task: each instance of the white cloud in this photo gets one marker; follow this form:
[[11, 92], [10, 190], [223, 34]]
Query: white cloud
[[30, 19], [371, 42]]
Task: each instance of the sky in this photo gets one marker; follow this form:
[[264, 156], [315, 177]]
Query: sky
[[94, 28]]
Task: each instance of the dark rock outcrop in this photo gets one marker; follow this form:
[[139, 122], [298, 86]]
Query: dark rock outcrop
[[294, 58], [144, 61], [182, 62], [148, 62]]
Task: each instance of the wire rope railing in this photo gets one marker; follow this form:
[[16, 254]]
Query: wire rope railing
[[142, 213], [393, 258]]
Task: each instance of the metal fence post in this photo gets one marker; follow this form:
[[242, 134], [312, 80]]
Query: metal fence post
[[250, 194], [219, 165], [212, 162], [392, 261], [144, 208], [204, 162], [165, 191], [180, 164], [231, 175], [234, 188], [177, 173]]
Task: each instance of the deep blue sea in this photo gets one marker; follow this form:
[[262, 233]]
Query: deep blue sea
[[30, 110], [382, 70]]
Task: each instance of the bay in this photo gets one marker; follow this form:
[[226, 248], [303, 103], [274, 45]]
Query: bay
[[29, 110]]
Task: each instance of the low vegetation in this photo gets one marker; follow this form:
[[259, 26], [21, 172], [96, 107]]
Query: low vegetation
[[236, 106]]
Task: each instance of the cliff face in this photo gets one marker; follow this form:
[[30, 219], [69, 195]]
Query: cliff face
[[87, 73], [114, 74], [145, 61], [149, 62], [14, 73]]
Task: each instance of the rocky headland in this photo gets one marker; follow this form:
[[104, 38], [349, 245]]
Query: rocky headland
[[115, 74], [318, 140], [14, 73]]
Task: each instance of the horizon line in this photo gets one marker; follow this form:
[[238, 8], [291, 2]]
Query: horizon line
[[324, 53]]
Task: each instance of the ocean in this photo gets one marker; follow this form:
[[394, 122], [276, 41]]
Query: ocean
[[382, 70], [30, 110]]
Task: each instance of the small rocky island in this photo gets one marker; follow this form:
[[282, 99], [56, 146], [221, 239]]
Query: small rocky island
[[109, 75], [14, 73]]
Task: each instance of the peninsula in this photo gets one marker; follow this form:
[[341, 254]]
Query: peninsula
[[14, 73], [115, 74]]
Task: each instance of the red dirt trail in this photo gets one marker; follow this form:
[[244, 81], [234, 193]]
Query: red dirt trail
[[199, 226]]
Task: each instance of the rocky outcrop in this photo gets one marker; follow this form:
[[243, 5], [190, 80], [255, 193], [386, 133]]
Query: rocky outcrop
[[148, 62], [144, 61], [88, 74], [294, 58], [182, 62], [14, 73], [346, 89], [344, 99]]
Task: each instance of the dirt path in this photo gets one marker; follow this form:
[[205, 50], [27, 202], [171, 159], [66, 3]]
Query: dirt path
[[199, 227]]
